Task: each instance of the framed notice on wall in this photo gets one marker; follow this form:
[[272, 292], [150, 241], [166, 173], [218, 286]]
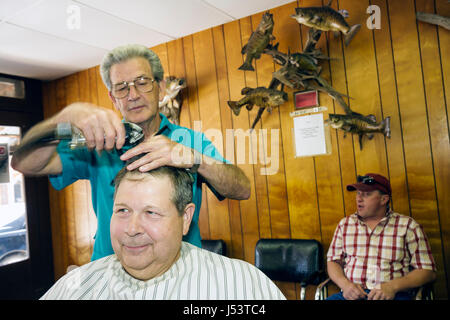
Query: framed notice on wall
[[311, 137]]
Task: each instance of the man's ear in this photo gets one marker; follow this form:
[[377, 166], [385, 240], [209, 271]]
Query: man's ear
[[162, 89], [385, 198], [187, 217], [111, 97]]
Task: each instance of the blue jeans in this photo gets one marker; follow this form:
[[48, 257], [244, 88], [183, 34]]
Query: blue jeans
[[398, 296]]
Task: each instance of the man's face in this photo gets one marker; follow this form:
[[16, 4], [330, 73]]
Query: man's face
[[370, 204], [136, 107], [146, 228]]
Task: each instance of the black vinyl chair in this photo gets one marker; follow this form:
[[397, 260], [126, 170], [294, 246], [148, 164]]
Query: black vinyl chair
[[292, 260], [216, 246]]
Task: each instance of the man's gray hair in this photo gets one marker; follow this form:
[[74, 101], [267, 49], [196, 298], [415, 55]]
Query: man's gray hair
[[126, 52], [181, 183]]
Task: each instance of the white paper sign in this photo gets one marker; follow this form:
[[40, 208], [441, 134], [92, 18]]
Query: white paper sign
[[309, 135]]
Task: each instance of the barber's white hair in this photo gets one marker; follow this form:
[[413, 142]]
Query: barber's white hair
[[126, 52]]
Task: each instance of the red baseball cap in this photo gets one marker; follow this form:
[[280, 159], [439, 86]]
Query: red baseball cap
[[371, 182]]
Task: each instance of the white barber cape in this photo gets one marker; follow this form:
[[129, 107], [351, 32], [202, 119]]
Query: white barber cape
[[197, 275]]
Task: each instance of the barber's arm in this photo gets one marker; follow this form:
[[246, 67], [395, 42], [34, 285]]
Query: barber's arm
[[227, 179], [101, 127]]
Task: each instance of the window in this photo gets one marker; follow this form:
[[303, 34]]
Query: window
[[13, 213], [12, 88]]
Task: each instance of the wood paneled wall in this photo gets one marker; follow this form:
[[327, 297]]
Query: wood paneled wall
[[401, 70]]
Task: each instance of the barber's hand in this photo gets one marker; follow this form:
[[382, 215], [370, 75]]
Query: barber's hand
[[160, 151], [353, 291], [101, 127], [385, 292]]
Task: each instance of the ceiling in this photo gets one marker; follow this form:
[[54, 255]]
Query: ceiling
[[49, 39]]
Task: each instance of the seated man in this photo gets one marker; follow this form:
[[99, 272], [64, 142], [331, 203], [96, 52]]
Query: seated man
[[378, 254], [152, 211]]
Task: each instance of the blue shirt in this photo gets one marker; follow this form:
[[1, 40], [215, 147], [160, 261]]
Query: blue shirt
[[101, 170]]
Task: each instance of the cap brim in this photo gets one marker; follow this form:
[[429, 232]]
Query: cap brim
[[361, 186]]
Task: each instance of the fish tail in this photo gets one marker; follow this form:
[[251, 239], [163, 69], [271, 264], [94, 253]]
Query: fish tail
[[351, 33], [387, 127], [247, 66], [235, 107]]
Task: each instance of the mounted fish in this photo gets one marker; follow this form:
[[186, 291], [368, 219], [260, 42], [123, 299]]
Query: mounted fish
[[262, 97], [359, 124], [434, 19], [170, 105], [304, 79], [306, 62], [259, 40], [326, 19]]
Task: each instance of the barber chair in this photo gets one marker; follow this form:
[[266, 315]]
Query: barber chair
[[292, 260], [216, 246]]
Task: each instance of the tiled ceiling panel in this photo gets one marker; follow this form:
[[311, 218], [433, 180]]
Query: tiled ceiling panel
[[94, 27], [171, 17], [48, 39], [44, 52]]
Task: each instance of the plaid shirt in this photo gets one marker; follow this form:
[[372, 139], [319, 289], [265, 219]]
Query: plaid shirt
[[391, 250]]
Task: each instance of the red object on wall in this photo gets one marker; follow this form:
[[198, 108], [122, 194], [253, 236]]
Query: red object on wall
[[305, 99]]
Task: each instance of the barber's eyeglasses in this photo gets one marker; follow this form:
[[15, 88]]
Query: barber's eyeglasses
[[142, 84], [366, 180]]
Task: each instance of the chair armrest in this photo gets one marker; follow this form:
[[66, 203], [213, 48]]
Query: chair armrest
[[319, 295]]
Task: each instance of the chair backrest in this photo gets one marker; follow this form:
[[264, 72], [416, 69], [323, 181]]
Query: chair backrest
[[293, 260], [216, 246]]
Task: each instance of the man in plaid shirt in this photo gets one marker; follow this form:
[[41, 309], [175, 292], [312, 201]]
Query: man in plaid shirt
[[378, 254]]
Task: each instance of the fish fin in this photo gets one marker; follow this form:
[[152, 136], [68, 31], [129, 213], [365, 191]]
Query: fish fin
[[235, 107], [360, 138], [344, 13], [244, 49], [258, 116], [249, 106], [351, 33], [316, 20], [245, 90], [247, 66], [387, 127], [372, 117], [370, 136]]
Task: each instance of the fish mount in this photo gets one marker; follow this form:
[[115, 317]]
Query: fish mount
[[434, 19], [356, 123], [259, 40], [326, 18], [261, 97], [171, 102], [300, 71]]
